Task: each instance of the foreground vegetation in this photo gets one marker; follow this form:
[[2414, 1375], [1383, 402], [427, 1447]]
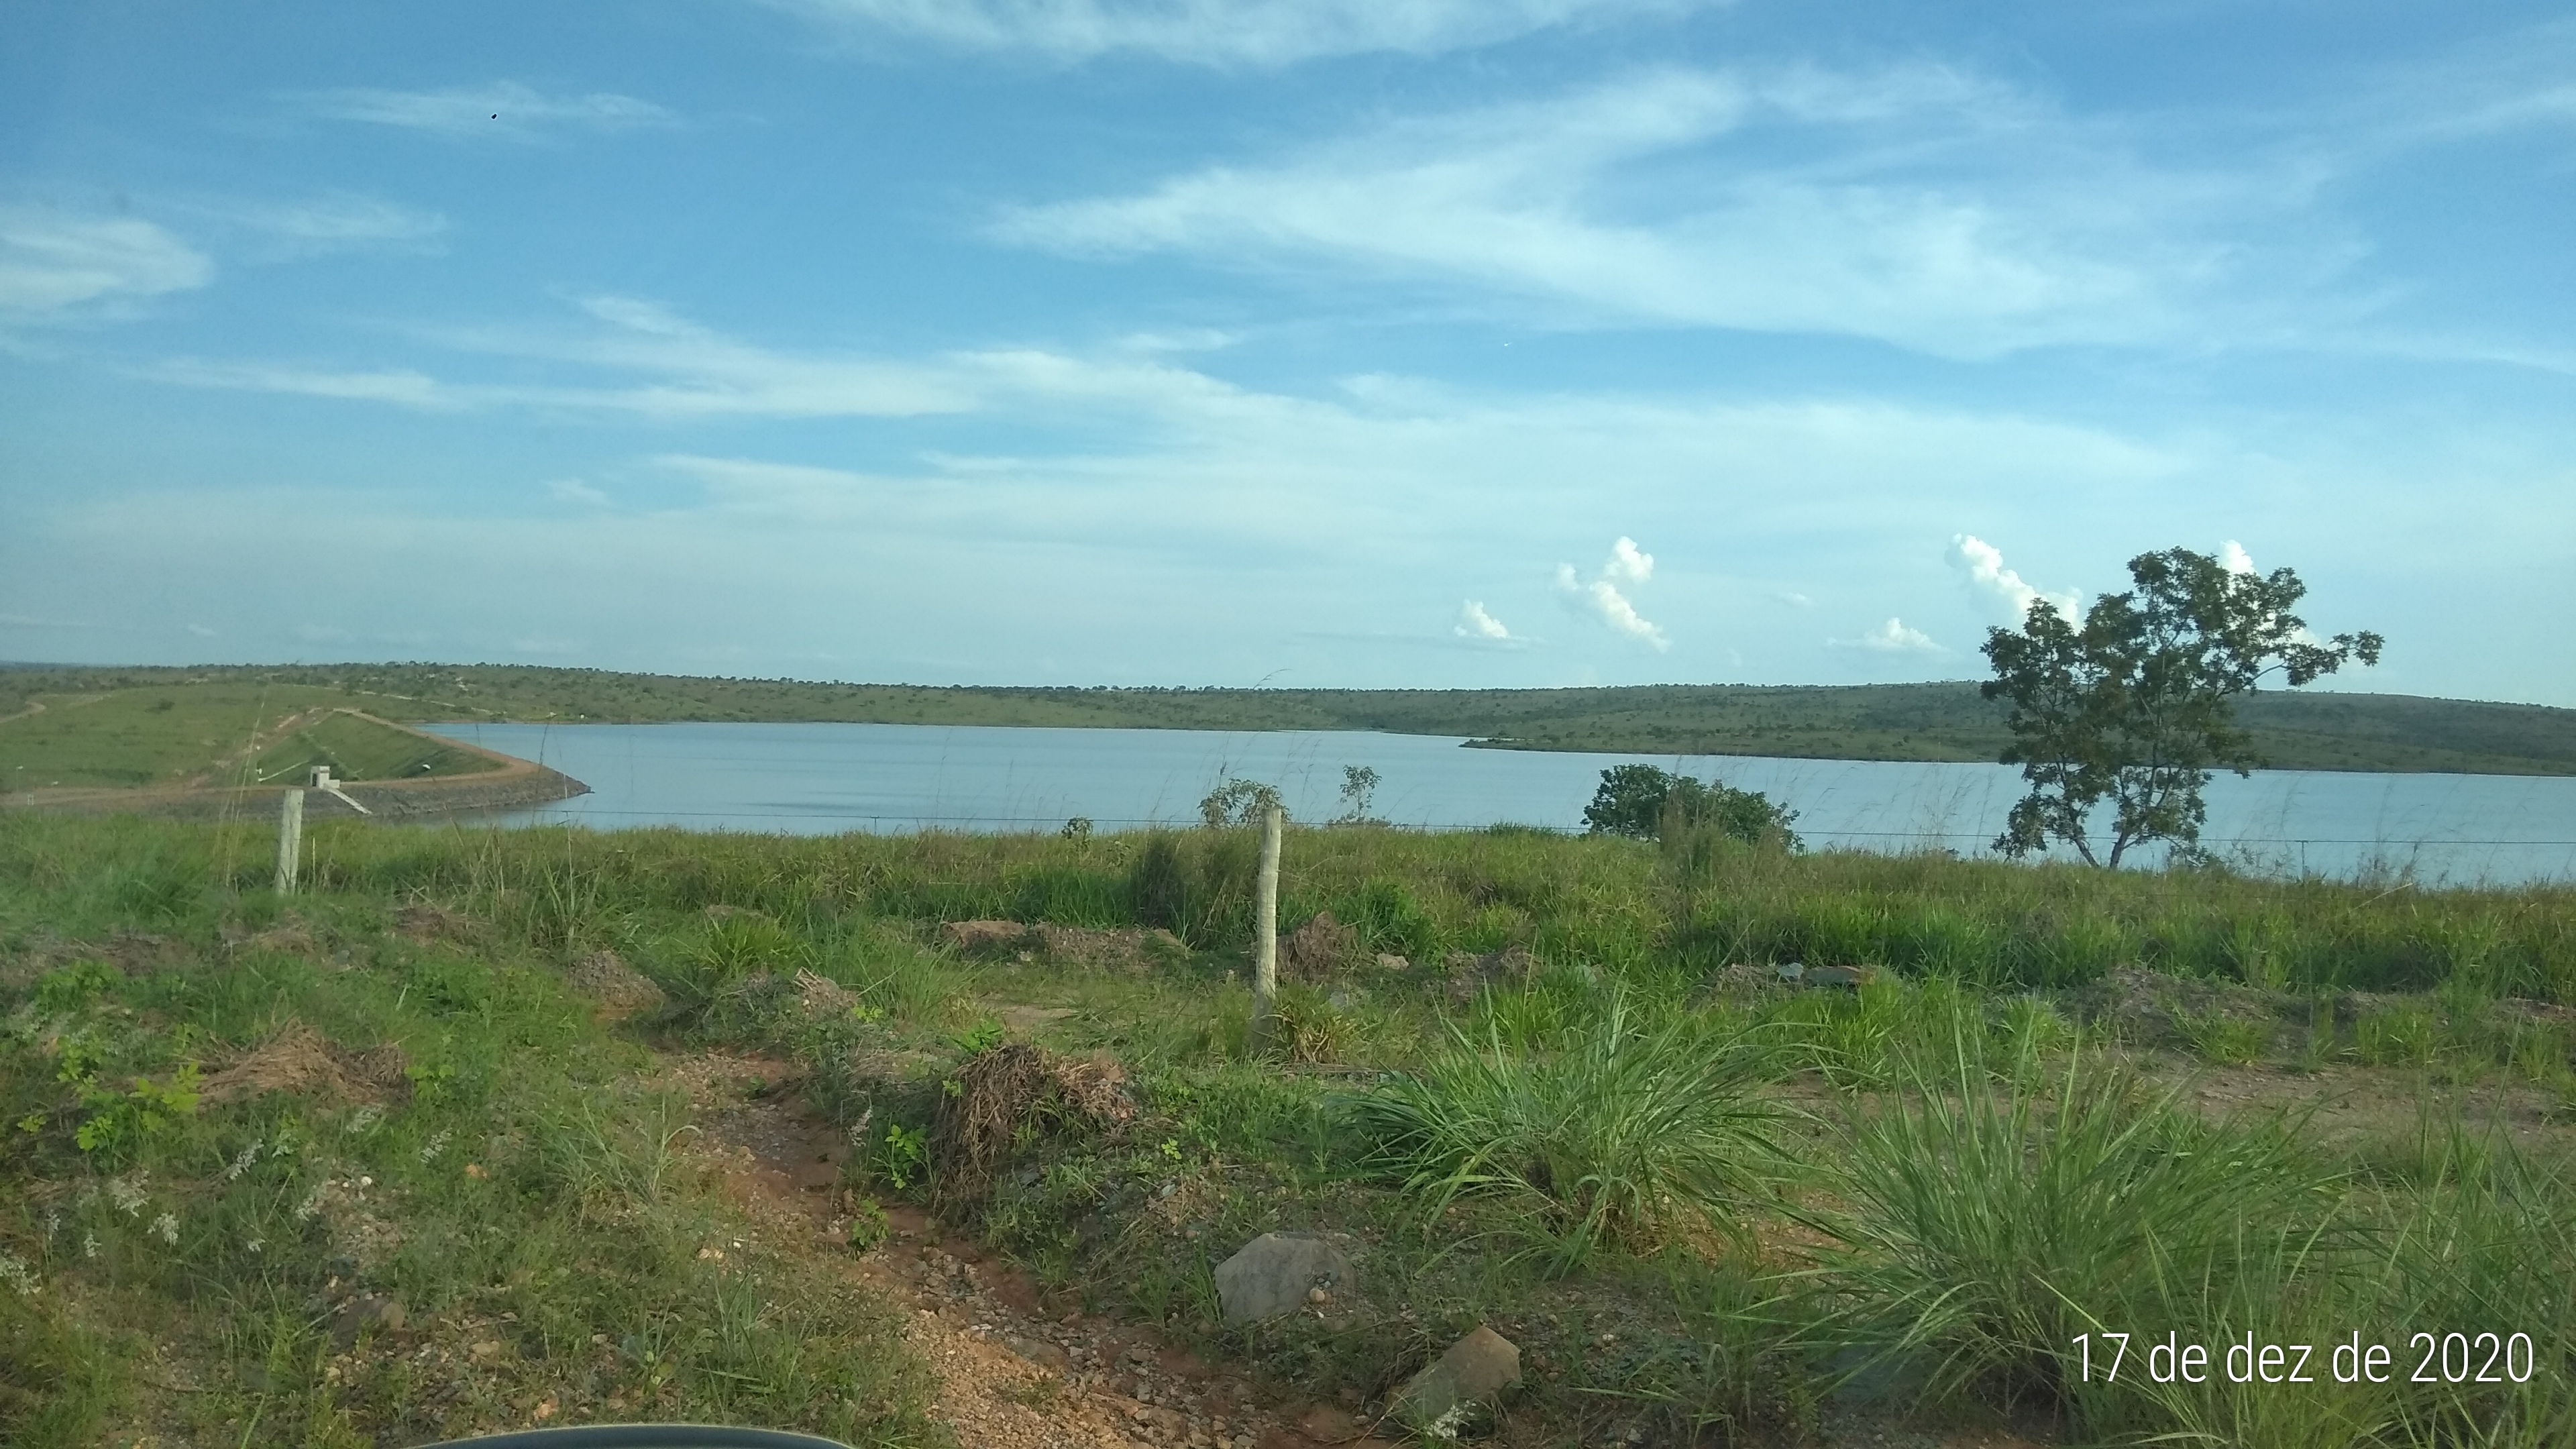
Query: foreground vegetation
[[1554, 1085], [1947, 721]]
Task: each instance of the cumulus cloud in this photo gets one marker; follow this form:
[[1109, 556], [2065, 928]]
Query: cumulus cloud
[[1988, 579], [2233, 557], [574, 490], [1475, 623], [1602, 599], [502, 110], [52, 261], [1893, 637], [1628, 565], [1226, 33]]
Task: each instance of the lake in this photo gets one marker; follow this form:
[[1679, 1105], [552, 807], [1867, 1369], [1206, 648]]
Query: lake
[[809, 779]]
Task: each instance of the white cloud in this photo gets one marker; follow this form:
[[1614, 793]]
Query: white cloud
[[334, 223], [1917, 205], [401, 386], [504, 110], [1893, 637], [1627, 565], [2233, 558], [1988, 579], [52, 261], [1225, 33], [1793, 598], [1475, 623], [574, 490], [1601, 597]]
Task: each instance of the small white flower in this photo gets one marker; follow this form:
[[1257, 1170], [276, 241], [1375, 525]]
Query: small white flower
[[256, 1244], [166, 1228], [129, 1194], [312, 1204], [53, 1224], [17, 1274], [436, 1145], [89, 1245], [242, 1163], [364, 1120]]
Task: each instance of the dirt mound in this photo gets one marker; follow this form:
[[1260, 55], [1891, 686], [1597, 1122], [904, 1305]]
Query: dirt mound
[[1320, 947], [423, 923], [620, 989], [1089, 948], [1006, 1088], [1470, 974], [821, 996], [1109, 949], [985, 935], [299, 1059]]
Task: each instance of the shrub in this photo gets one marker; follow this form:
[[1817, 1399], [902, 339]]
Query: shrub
[[1646, 803]]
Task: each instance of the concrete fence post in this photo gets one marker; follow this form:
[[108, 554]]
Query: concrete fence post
[[1265, 933], [290, 840]]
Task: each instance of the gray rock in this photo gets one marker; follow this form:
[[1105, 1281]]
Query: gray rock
[[1475, 1370], [361, 1314], [1272, 1273]]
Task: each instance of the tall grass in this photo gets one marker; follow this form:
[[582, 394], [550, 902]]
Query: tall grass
[[1630, 1132], [1986, 1225]]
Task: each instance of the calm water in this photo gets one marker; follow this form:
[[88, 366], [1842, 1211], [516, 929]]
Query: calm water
[[809, 779]]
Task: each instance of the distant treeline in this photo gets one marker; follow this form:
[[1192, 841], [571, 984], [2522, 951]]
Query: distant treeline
[[1944, 721]]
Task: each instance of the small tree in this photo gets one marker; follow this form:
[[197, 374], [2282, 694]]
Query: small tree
[[1236, 802], [1645, 803], [2137, 706], [1359, 787]]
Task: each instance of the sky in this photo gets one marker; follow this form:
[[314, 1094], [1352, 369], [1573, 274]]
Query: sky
[[1433, 343]]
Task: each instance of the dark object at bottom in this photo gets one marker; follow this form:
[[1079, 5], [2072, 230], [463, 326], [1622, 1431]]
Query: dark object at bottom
[[643, 1436]]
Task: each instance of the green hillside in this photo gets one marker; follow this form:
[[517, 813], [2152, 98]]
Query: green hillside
[[179, 732], [1946, 721]]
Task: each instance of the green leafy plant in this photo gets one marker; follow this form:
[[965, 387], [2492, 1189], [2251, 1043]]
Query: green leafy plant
[[902, 1156], [119, 1121], [983, 1036], [1647, 803]]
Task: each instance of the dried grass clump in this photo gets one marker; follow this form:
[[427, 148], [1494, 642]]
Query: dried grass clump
[[299, 1059], [1008, 1091]]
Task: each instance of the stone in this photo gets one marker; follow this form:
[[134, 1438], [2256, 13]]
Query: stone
[[1273, 1273], [1389, 961], [373, 1311], [1474, 1371]]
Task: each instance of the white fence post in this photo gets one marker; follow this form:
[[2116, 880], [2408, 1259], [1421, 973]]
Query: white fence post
[[1265, 932], [290, 840]]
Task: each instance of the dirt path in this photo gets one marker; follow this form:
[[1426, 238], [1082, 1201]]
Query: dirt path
[[1017, 1369]]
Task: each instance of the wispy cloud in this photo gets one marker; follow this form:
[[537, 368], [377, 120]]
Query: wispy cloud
[[1603, 599], [2000, 588], [1921, 205], [400, 386], [1893, 637], [332, 223], [501, 110], [56, 263], [1224, 33]]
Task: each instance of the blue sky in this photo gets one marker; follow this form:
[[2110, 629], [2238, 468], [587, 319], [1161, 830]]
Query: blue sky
[[1358, 342]]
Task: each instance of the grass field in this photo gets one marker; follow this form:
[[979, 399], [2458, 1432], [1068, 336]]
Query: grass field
[[1579, 1108], [209, 733], [1870, 722]]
